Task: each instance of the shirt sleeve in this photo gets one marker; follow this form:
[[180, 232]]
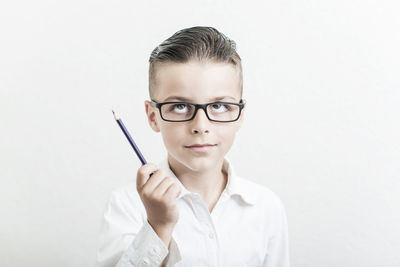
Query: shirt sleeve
[[278, 246], [127, 239]]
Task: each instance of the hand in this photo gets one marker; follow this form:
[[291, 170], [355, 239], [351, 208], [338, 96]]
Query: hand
[[158, 193]]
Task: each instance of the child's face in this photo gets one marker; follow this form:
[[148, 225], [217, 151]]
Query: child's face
[[200, 83]]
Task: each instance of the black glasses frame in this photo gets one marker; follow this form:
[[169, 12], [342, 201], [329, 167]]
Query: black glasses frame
[[197, 107]]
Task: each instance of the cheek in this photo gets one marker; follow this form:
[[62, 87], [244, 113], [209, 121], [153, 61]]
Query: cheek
[[172, 135], [228, 140], [227, 135]]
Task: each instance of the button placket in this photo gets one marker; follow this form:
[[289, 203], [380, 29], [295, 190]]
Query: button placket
[[154, 251], [206, 220]]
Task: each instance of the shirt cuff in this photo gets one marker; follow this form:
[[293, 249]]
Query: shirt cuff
[[173, 256], [147, 249]]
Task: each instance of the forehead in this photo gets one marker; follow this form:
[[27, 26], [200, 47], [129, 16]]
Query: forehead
[[197, 81]]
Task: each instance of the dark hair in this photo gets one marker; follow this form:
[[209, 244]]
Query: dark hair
[[195, 43]]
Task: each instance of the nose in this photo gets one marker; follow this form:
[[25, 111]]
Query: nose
[[200, 122]]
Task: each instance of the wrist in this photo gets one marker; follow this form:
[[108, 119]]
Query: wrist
[[164, 227], [163, 231]]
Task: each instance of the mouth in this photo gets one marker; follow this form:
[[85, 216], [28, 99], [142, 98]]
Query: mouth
[[201, 147]]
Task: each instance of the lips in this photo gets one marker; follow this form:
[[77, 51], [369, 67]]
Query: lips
[[201, 148], [200, 145]]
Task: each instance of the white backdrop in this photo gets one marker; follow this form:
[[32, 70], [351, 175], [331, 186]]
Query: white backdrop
[[322, 83]]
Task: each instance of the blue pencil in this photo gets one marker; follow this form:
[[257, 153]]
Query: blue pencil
[[128, 136]]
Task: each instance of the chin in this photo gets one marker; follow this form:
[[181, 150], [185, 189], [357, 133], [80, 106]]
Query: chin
[[194, 163], [200, 163]]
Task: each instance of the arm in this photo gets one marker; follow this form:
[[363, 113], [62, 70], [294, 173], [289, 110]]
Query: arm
[[278, 244], [126, 238], [148, 249]]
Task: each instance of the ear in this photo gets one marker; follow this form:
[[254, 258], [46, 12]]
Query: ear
[[151, 116]]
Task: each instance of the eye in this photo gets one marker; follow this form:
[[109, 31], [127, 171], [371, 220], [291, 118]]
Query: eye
[[220, 107], [179, 108]]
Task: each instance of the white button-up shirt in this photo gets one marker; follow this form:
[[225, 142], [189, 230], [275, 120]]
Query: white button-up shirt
[[247, 227]]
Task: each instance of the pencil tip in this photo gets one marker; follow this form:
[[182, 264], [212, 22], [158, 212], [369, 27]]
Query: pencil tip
[[115, 115]]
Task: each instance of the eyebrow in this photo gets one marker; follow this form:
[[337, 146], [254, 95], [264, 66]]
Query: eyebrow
[[180, 98]]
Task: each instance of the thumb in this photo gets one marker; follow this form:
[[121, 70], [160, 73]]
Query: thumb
[[144, 173]]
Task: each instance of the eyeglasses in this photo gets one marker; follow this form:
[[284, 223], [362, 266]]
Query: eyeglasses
[[184, 111]]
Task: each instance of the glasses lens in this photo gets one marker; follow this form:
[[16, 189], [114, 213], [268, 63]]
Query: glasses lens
[[177, 111], [218, 111]]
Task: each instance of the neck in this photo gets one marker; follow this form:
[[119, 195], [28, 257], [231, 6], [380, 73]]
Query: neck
[[208, 182]]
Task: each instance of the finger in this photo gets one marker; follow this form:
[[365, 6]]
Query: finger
[[173, 192], [163, 186], [143, 174], [157, 177]]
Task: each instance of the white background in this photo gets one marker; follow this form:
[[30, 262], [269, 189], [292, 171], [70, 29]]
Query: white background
[[322, 83]]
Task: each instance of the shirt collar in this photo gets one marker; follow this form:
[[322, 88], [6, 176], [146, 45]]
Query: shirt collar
[[234, 186]]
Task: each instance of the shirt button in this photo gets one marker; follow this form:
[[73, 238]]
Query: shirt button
[[146, 262], [211, 235]]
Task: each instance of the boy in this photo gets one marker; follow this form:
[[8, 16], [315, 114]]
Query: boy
[[191, 209]]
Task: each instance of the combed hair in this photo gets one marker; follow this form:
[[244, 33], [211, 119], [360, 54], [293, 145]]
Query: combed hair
[[196, 43]]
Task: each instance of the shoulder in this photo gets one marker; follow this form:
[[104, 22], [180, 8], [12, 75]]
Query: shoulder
[[261, 195], [267, 208], [126, 192], [127, 199]]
